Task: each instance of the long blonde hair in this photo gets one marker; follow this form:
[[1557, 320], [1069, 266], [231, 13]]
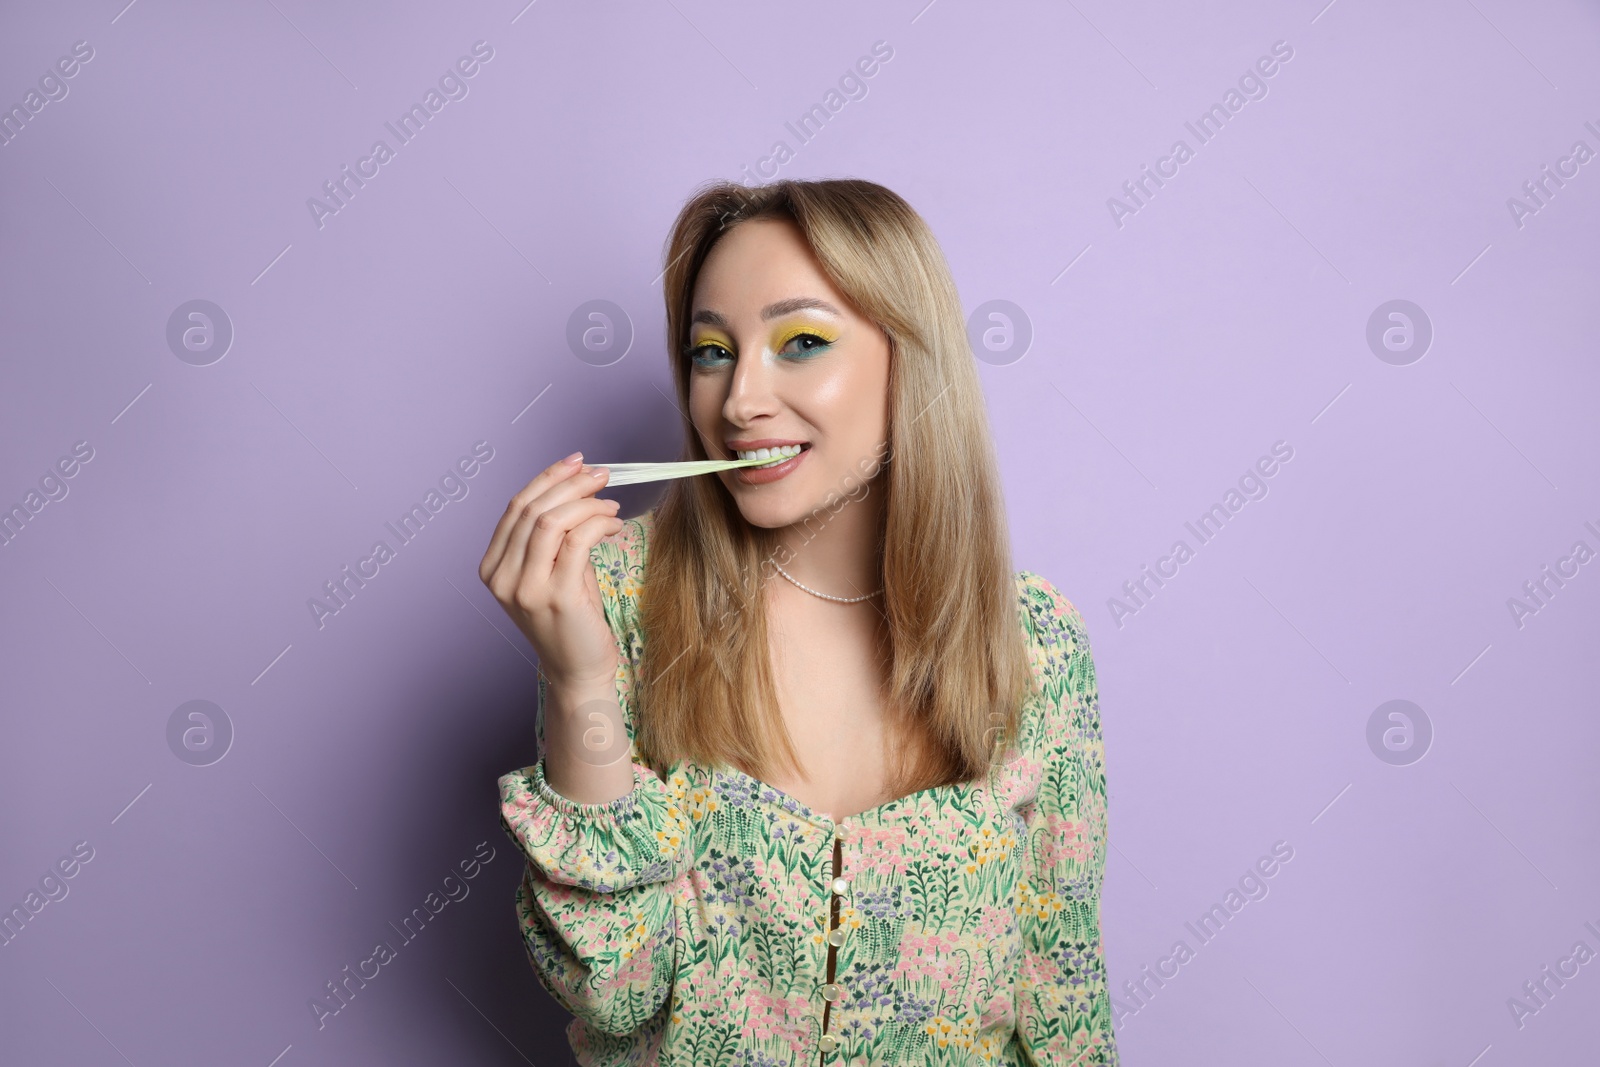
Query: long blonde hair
[[953, 645]]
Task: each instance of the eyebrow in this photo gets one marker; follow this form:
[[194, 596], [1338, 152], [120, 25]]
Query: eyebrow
[[771, 311]]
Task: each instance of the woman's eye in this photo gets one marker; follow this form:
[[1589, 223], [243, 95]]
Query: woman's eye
[[708, 355], [802, 349]]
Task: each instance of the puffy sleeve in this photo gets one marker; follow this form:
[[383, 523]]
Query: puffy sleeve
[[595, 904], [1064, 1012]]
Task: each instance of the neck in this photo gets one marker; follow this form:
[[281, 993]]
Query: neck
[[837, 552]]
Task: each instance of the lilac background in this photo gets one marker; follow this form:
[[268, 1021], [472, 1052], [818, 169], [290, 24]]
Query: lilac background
[[1167, 355]]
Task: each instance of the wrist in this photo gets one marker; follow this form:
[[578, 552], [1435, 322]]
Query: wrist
[[587, 748], [564, 695]]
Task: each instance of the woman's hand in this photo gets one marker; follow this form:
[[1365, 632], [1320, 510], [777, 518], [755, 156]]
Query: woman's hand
[[538, 568]]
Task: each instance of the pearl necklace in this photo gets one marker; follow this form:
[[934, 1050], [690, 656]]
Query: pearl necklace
[[824, 596]]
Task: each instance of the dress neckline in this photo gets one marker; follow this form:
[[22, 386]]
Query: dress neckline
[[792, 804]]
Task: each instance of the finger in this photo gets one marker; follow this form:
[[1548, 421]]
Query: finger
[[557, 472], [508, 547], [573, 566], [538, 553], [582, 485]]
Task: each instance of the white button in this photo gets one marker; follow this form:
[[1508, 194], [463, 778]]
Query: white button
[[828, 1042], [841, 886], [831, 992], [836, 937]]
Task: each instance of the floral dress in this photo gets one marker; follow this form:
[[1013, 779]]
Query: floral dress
[[711, 919]]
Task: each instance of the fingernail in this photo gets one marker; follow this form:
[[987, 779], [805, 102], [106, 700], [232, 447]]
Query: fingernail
[[597, 472], [573, 458]]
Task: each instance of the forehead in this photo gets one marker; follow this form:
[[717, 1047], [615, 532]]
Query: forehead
[[758, 263]]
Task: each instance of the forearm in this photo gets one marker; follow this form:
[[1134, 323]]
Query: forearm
[[586, 742], [607, 958], [596, 904]]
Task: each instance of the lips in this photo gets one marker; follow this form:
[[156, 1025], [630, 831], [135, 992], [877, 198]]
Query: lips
[[751, 444], [773, 454], [772, 473]]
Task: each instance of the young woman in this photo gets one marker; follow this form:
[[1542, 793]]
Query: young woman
[[821, 779]]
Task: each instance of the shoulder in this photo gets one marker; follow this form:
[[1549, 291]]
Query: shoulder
[[628, 545], [1058, 647], [1055, 628], [619, 559], [619, 569]]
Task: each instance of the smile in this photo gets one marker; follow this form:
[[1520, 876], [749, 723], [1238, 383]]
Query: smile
[[782, 460], [777, 455]]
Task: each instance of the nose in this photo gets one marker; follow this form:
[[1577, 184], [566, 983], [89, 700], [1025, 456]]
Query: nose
[[750, 389]]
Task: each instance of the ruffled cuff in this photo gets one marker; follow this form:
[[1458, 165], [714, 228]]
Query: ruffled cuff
[[638, 838]]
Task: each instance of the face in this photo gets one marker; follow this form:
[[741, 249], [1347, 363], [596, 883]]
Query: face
[[778, 357]]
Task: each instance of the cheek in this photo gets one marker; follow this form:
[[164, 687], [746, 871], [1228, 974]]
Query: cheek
[[856, 398], [852, 413], [855, 385], [835, 393], [704, 403]]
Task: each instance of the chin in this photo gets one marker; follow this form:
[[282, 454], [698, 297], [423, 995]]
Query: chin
[[804, 487], [773, 508]]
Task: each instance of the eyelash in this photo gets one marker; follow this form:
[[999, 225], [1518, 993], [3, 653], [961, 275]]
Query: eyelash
[[693, 353]]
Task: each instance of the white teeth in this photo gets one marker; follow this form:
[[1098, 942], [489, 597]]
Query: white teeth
[[778, 454]]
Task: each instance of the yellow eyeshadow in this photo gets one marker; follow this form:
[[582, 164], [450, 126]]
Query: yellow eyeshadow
[[710, 338], [828, 336], [779, 340]]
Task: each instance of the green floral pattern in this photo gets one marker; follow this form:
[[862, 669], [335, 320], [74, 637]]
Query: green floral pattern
[[685, 923]]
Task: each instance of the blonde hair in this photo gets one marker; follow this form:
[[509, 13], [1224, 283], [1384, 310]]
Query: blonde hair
[[953, 645]]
